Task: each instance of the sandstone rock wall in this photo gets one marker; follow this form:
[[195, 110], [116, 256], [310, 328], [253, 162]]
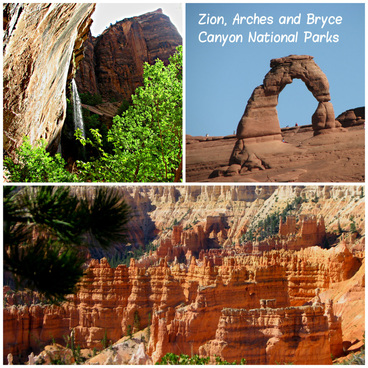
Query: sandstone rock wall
[[43, 47], [273, 336], [113, 66], [183, 303]]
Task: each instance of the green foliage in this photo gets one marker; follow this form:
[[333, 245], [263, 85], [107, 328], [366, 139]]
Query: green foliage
[[129, 331], [35, 165], [90, 99], [137, 321], [315, 199], [355, 359], [47, 231], [123, 107], [129, 252], [105, 341], [270, 225], [219, 361], [183, 359], [147, 137]]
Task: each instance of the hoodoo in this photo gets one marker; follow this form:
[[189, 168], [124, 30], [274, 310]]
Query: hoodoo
[[271, 275]]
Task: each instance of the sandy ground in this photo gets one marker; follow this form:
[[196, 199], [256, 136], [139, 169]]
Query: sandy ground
[[333, 157]]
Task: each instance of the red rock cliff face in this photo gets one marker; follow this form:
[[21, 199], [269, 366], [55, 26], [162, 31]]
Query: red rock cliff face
[[43, 44], [185, 304], [116, 69]]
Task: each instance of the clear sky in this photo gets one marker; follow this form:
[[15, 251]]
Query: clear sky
[[107, 13], [220, 79]]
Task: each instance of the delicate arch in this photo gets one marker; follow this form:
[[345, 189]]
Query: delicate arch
[[260, 121]]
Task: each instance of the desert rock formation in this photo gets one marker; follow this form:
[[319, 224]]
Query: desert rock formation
[[113, 64], [260, 119], [260, 123], [43, 47], [220, 297], [352, 117]]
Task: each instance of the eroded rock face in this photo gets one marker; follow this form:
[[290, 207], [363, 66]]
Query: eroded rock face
[[116, 69], [260, 122], [184, 302], [352, 117], [260, 116], [43, 46], [269, 335]]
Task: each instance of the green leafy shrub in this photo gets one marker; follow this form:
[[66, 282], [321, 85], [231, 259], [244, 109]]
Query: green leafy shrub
[[183, 359], [35, 164], [123, 107]]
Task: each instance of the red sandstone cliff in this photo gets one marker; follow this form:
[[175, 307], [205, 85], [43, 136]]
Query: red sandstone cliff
[[113, 66], [186, 305], [43, 45]]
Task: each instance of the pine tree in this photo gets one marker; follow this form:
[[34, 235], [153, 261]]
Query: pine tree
[[48, 232]]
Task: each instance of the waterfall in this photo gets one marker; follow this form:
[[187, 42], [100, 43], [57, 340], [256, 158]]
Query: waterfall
[[77, 109]]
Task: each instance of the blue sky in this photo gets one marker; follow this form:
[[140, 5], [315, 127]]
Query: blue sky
[[220, 79]]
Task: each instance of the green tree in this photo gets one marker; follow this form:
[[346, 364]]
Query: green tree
[[49, 230], [147, 137], [36, 165]]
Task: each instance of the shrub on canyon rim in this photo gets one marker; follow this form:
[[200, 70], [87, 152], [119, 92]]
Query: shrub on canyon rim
[[48, 232], [147, 137]]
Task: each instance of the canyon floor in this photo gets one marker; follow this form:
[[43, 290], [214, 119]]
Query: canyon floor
[[333, 157]]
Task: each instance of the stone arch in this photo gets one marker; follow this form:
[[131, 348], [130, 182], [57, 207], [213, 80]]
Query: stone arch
[[260, 120]]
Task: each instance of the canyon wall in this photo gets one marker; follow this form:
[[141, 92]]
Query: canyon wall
[[157, 209], [43, 45], [265, 294], [113, 66], [185, 303]]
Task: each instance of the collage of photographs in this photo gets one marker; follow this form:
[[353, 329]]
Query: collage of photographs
[[183, 183]]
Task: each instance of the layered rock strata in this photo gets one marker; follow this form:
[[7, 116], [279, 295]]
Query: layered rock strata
[[270, 335], [114, 61], [43, 46], [183, 303]]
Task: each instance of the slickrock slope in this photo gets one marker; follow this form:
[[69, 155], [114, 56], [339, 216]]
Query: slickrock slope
[[113, 66], [43, 47], [338, 157], [267, 307]]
